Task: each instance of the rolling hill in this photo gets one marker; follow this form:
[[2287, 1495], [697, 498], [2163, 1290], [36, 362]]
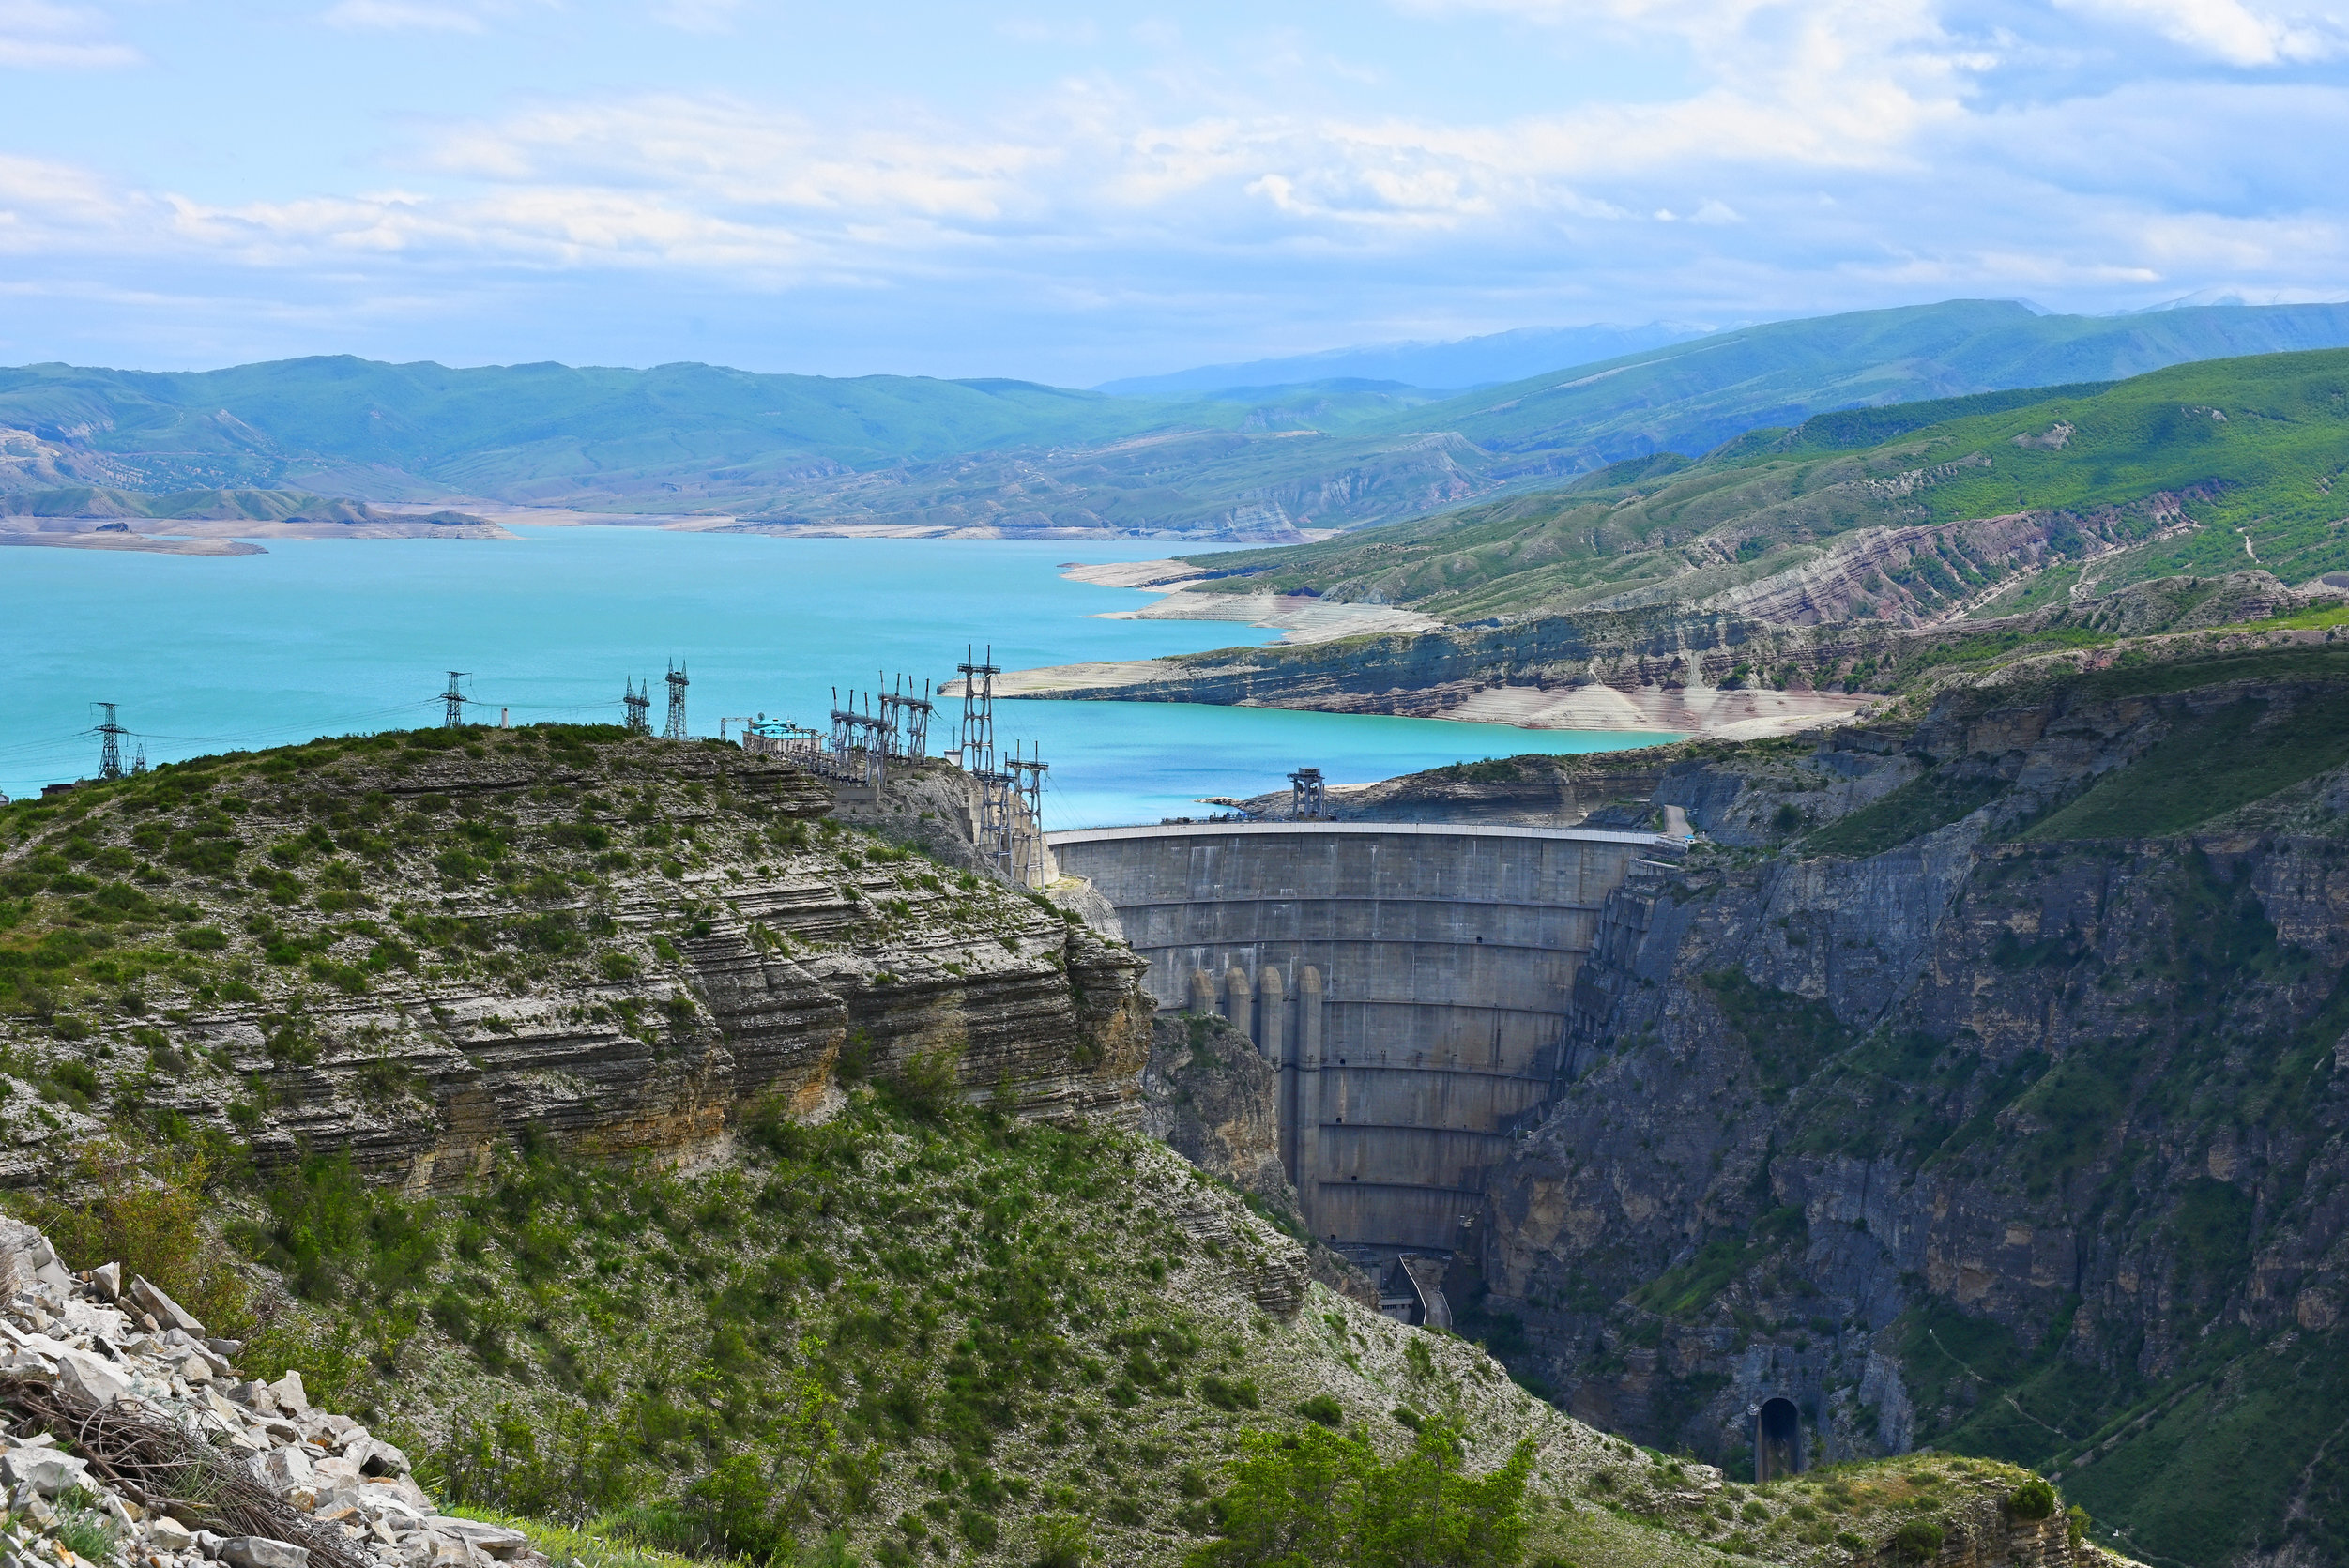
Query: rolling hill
[[2196, 470], [793, 452]]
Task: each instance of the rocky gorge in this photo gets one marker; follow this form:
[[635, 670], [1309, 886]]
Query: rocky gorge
[[554, 1141], [1975, 1083]]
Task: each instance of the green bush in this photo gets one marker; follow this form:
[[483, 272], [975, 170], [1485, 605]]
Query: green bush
[[1062, 1542], [145, 1206], [1237, 1394], [1323, 1497], [1323, 1409], [1918, 1540], [2033, 1499]]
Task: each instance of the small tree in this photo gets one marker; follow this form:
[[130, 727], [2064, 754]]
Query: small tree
[[1325, 1499]]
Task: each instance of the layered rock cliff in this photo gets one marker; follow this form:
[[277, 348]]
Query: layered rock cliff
[[417, 949], [1772, 658], [1982, 1086]]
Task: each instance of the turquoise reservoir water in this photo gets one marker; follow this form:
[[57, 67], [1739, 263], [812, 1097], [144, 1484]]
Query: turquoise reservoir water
[[330, 636]]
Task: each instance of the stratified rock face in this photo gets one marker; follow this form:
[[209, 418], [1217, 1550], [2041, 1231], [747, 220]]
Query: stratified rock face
[[417, 954], [1209, 1095], [1981, 1138]]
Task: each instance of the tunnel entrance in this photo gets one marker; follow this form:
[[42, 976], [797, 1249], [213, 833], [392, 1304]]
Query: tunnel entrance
[[1777, 1441]]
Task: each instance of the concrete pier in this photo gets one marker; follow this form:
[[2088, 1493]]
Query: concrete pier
[[1409, 980]]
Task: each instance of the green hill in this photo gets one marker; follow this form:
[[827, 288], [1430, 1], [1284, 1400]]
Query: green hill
[[2196, 470], [629, 1141]]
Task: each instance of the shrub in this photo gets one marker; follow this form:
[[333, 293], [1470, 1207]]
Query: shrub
[[145, 1206], [977, 1528], [1237, 1394], [1918, 1540], [1063, 1541], [924, 1087], [2033, 1499], [1323, 1409]]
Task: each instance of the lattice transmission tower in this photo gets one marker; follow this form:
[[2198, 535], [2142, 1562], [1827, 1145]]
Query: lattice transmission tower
[[676, 728], [110, 736], [454, 716], [638, 705]]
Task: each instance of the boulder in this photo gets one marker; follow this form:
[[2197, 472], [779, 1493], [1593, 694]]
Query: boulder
[[254, 1397], [85, 1380], [165, 1310], [259, 1551], [19, 1263], [44, 1470], [288, 1393], [285, 1468], [496, 1539], [107, 1277], [377, 1457], [334, 1474], [170, 1535]]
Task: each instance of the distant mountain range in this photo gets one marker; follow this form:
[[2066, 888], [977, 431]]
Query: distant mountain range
[[1455, 366], [912, 455]]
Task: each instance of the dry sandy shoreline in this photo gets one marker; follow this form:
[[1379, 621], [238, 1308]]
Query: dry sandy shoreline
[[1698, 711], [1299, 618]]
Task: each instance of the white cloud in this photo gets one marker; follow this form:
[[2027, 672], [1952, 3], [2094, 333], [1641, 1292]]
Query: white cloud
[[2231, 31], [698, 16], [403, 16], [1811, 156], [38, 35]]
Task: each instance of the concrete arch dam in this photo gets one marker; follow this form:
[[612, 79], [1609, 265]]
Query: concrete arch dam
[[1411, 981]]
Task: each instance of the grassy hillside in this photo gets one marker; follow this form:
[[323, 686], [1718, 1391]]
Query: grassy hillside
[[498, 427], [322, 1039], [208, 506], [2246, 451]]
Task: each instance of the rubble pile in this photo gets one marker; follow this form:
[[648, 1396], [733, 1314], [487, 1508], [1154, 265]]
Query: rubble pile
[[129, 1439]]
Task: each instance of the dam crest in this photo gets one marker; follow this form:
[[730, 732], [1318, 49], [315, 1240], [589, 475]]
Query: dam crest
[[1412, 981]]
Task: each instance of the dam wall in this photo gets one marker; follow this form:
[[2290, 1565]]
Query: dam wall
[[1409, 980]]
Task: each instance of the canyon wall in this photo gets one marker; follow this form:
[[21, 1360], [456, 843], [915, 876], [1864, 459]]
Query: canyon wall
[[1967, 1104]]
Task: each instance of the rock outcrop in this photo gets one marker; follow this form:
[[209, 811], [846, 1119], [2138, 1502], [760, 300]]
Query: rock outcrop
[[414, 953], [131, 1439]]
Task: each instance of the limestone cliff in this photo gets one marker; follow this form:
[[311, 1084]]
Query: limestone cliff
[[1984, 1087], [419, 947], [1787, 653]]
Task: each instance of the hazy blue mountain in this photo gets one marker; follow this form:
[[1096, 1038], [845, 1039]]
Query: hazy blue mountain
[[1251, 460], [1453, 366], [1690, 397]]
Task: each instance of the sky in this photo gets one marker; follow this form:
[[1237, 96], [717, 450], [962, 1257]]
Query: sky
[[1071, 193]]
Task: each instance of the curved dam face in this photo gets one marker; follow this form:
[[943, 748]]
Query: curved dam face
[[1410, 980]]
